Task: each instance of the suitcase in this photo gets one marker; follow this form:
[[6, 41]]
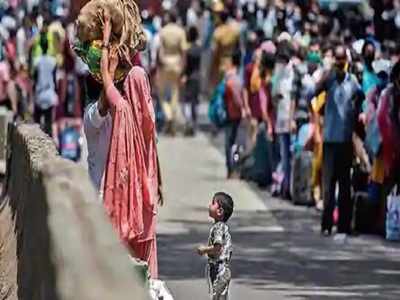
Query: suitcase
[[300, 182], [366, 212], [257, 166], [243, 145]]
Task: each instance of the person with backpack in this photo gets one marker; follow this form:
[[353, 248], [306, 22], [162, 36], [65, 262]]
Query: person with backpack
[[46, 97], [235, 106]]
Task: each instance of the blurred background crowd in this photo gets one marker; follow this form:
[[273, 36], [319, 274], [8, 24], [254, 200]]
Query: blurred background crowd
[[305, 92]]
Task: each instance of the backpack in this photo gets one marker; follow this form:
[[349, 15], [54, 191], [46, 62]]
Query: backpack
[[300, 181], [217, 109], [70, 147]]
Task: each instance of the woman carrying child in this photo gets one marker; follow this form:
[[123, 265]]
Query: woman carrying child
[[132, 180]]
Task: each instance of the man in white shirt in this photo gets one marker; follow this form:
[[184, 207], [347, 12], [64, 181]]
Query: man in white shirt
[[97, 125], [22, 43], [282, 92], [46, 97]]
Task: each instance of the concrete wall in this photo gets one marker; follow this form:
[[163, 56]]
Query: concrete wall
[[66, 248], [5, 118]]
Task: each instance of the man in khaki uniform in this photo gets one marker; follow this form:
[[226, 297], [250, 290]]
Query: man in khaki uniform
[[171, 65], [225, 41]]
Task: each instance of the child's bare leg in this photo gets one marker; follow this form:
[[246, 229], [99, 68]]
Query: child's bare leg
[[220, 287]]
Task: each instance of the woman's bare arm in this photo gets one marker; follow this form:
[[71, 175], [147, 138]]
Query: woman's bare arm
[[108, 65]]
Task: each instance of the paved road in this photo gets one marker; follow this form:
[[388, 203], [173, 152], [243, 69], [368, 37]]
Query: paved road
[[278, 253]]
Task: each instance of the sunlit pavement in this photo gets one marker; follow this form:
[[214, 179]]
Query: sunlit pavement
[[278, 252]]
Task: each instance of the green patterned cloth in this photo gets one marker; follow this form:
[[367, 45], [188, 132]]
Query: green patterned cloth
[[90, 53]]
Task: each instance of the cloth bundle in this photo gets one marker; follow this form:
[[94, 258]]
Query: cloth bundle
[[127, 33]]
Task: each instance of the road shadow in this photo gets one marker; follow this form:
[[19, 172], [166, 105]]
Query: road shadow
[[297, 262], [281, 251]]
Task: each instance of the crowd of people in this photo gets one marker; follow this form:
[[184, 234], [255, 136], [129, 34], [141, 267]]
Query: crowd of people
[[41, 78], [309, 95], [310, 91]]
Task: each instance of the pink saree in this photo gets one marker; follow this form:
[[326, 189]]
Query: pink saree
[[131, 182]]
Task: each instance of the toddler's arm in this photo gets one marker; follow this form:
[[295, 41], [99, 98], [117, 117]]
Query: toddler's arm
[[213, 250]]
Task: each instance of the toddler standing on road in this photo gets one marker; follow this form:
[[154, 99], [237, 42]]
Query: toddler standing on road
[[219, 248]]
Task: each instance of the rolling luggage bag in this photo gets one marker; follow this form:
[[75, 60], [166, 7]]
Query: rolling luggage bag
[[257, 166], [301, 179]]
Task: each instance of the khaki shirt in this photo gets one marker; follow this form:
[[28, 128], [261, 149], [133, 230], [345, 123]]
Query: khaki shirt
[[225, 41], [172, 48]]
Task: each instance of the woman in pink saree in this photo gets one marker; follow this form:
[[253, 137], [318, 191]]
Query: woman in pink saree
[[132, 179]]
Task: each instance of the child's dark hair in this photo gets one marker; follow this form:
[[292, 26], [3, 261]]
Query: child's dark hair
[[226, 203]]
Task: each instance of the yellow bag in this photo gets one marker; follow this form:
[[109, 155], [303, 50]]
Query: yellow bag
[[318, 102]]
